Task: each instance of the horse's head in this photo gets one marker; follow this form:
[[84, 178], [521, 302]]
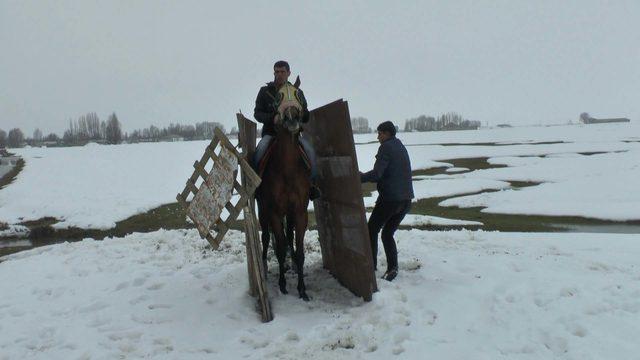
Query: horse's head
[[289, 111]]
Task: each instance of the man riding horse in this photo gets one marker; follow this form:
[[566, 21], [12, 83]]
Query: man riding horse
[[286, 172], [269, 98]]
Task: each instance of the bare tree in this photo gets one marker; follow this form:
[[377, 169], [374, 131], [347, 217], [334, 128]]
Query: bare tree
[[93, 126], [15, 138], [52, 137], [113, 130], [37, 135], [360, 125]]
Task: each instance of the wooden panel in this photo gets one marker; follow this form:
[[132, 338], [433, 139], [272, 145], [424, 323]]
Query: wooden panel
[[340, 214], [250, 181]]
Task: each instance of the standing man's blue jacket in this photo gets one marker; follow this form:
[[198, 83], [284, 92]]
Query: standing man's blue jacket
[[392, 172]]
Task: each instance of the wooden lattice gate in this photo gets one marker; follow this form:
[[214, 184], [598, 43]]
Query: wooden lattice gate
[[206, 194]]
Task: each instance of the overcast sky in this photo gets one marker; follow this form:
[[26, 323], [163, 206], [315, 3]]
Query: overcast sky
[[161, 62]]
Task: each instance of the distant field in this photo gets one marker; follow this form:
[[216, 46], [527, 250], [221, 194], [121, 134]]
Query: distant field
[[517, 179]]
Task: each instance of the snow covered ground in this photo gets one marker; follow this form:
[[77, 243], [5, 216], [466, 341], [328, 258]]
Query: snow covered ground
[[96, 186], [459, 295], [602, 186]]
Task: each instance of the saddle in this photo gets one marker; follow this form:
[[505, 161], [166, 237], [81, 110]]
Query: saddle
[[262, 165]]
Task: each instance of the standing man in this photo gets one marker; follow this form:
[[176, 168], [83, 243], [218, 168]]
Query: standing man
[[266, 111], [392, 173]]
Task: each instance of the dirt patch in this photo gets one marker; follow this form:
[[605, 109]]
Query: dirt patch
[[9, 177]]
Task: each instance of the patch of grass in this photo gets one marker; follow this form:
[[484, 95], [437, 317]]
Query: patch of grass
[[472, 164], [506, 222], [492, 143], [169, 216], [11, 175], [366, 143], [500, 222], [42, 222], [589, 153], [368, 188], [173, 216], [522, 184], [11, 250]]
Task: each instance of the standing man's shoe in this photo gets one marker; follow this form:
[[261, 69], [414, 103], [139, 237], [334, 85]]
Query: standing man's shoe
[[390, 274]]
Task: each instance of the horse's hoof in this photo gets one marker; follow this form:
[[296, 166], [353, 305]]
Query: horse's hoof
[[283, 289], [304, 297]]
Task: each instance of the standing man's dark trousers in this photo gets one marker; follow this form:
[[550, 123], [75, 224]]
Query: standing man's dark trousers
[[387, 216]]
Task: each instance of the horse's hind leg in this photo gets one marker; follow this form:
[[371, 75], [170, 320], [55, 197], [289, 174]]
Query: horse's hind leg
[[301, 228], [281, 252]]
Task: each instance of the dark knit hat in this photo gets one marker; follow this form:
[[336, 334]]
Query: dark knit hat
[[388, 127]]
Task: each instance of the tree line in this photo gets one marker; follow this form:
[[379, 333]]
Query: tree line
[[448, 121], [199, 131], [89, 128]]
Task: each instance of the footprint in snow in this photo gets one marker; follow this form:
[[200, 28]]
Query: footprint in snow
[[139, 281], [156, 286], [96, 306], [98, 322], [139, 299], [397, 350], [159, 306], [122, 285]]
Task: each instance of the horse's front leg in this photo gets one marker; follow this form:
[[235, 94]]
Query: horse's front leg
[[264, 226], [301, 228], [281, 251], [290, 223]]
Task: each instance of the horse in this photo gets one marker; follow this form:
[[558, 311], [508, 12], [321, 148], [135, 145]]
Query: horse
[[284, 194]]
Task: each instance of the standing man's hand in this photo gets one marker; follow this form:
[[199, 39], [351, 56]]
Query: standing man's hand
[[277, 119]]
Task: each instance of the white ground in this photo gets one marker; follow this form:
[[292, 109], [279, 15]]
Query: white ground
[[459, 295], [96, 186]]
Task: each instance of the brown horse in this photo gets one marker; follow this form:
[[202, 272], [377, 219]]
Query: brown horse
[[284, 194]]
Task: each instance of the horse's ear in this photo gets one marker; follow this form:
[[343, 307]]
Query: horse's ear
[[296, 84]]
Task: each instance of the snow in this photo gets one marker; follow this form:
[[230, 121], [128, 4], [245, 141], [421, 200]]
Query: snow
[[111, 183], [456, 169], [14, 231], [95, 186], [425, 220], [600, 186], [459, 295]]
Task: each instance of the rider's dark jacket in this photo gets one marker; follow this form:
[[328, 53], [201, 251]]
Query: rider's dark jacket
[[266, 107]]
